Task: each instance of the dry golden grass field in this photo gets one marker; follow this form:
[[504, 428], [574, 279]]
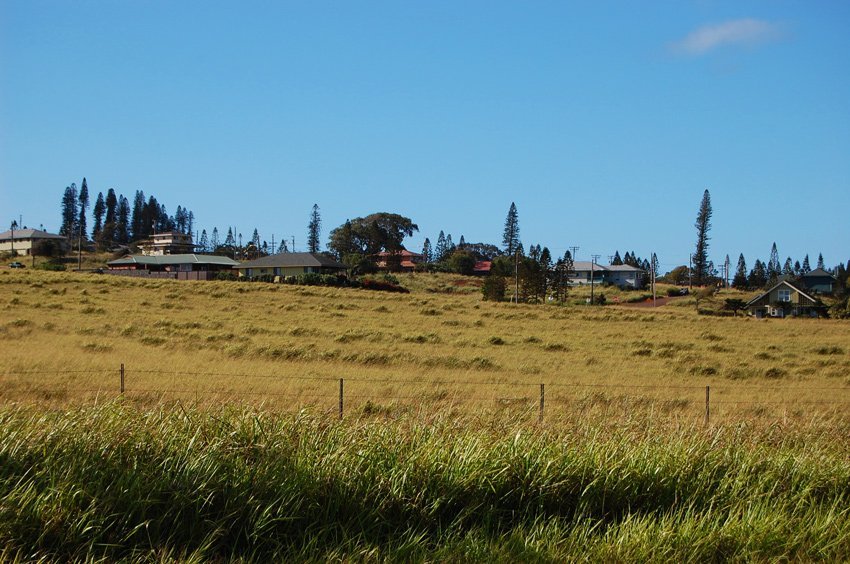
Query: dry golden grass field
[[438, 350]]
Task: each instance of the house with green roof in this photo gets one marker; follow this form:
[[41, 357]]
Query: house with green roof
[[177, 267]]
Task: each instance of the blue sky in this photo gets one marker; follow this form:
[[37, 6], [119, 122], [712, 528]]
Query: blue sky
[[603, 121]]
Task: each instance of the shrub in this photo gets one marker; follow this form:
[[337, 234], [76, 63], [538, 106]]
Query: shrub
[[494, 288], [379, 285]]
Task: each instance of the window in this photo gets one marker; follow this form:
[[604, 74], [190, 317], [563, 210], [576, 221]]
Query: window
[[784, 295]]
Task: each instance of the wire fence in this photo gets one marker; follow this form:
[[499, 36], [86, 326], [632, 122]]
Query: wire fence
[[353, 392]]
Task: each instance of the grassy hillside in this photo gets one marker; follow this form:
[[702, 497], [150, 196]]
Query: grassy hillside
[[64, 336]]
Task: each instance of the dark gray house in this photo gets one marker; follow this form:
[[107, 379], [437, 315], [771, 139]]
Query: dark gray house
[[818, 280]]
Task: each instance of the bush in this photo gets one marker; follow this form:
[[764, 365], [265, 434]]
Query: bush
[[227, 276], [50, 265], [372, 284], [494, 288]]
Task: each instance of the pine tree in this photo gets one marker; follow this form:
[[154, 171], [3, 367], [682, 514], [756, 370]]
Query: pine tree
[[122, 221], [740, 280], [450, 246], [820, 259], [215, 242], [203, 242], [440, 252], [510, 239], [137, 230], [190, 221], [788, 268], [84, 208], [99, 209], [462, 243], [282, 248], [427, 253], [758, 275], [774, 269], [229, 241], [69, 212], [703, 226], [616, 261], [314, 229], [806, 266]]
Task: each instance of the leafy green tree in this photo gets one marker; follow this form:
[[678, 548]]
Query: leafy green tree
[[314, 228], [358, 241], [703, 226], [462, 262], [510, 237]]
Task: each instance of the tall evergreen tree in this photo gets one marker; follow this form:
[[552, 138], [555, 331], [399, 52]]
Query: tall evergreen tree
[[703, 226], [190, 221], [122, 221], [111, 206], [282, 248], [774, 269], [137, 230], [215, 242], [820, 259], [788, 268], [427, 253], [462, 243], [69, 212], [450, 246], [229, 241], [314, 229], [616, 261], [806, 266], [510, 238], [798, 270], [203, 242], [99, 210], [441, 250], [84, 208], [758, 275], [740, 279]]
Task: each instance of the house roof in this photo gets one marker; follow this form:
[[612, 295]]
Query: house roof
[[290, 260], [402, 253], [483, 266], [775, 286], [818, 273], [582, 265], [21, 234], [623, 268], [163, 260]]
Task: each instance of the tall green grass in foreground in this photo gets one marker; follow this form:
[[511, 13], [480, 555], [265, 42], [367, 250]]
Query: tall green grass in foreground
[[114, 481]]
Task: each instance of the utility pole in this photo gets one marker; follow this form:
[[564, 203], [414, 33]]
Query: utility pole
[[726, 272], [652, 267], [12, 250], [592, 275], [293, 243], [575, 252], [80, 248], [690, 270], [516, 277]]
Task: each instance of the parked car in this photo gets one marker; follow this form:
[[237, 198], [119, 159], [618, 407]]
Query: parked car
[[16, 264]]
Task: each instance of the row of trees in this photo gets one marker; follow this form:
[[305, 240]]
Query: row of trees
[[114, 220]]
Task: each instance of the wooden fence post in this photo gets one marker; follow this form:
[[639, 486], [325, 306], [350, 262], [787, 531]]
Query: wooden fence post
[[122, 378], [707, 398], [542, 401], [341, 386]]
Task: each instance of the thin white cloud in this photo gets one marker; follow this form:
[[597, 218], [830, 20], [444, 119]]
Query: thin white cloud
[[741, 32]]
